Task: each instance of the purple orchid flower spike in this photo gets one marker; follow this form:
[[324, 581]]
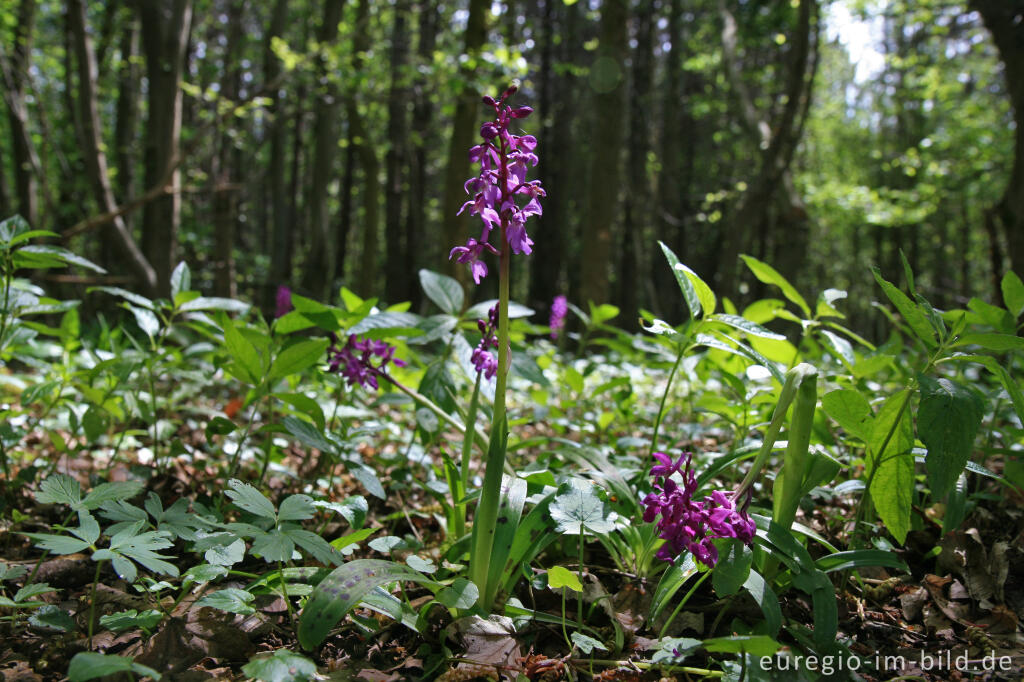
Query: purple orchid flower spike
[[688, 525], [355, 360], [504, 160]]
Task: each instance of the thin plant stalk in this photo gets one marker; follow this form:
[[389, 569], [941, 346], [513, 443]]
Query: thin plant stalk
[[664, 398]]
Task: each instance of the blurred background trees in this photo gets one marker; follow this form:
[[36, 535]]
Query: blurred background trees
[[315, 143]]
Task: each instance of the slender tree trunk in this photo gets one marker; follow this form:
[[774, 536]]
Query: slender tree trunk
[[368, 161], [608, 79], [636, 213], [127, 112], [398, 279], [15, 72], [280, 200], [1003, 20], [422, 122], [225, 195], [464, 132], [165, 29], [93, 148], [319, 266]]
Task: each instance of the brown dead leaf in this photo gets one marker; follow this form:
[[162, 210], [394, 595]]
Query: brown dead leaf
[[489, 642], [20, 672], [953, 610], [912, 602], [964, 554]]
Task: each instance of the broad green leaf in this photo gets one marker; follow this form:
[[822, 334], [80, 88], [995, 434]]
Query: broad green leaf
[[230, 599], [461, 594], [131, 619], [53, 618], [342, 589], [61, 254], [306, 405], [755, 645], [911, 312], [273, 546], [368, 477], [580, 508], [743, 324], [32, 590], [387, 544], [770, 275], [386, 325], [229, 305], [133, 298], [1013, 293], [991, 341], [891, 466], [181, 279], [693, 301], [88, 665], [250, 499], [765, 597], [297, 358], [674, 649], [206, 573], [353, 508], [308, 434], [444, 291], [281, 666], [948, 419], [420, 564], [851, 411], [842, 348], [243, 353], [148, 322], [732, 569], [560, 577], [671, 581], [586, 644]]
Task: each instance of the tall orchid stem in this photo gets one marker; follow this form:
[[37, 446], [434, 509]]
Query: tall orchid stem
[[486, 519]]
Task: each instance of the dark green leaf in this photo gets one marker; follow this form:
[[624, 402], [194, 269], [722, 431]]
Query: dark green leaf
[[948, 419], [281, 666], [230, 599], [444, 291]]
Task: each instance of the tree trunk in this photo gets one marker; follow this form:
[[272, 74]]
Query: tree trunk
[[15, 72], [93, 147], [422, 122], [280, 200], [165, 30], [464, 133], [608, 79], [319, 266], [364, 149], [1005, 20], [225, 195], [636, 213], [398, 279]]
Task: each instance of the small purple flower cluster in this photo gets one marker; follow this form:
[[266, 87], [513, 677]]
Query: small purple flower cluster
[[483, 359], [689, 525], [559, 309], [355, 360], [503, 159], [283, 301]]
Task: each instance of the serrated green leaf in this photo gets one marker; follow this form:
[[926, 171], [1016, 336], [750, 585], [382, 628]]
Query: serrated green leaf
[[342, 589], [52, 618], [273, 546], [250, 499], [308, 434], [32, 590], [131, 619], [296, 508], [109, 492], [58, 544], [59, 489], [315, 545], [948, 419], [353, 508]]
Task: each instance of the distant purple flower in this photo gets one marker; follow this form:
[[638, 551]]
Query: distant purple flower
[[504, 159], [687, 525], [559, 309], [483, 359], [355, 360], [284, 301]]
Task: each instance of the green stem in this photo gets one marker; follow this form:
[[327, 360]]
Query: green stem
[[284, 592], [490, 494], [664, 398], [579, 595], [236, 458], [92, 601], [675, 612], [467, 451], [433, 407]]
